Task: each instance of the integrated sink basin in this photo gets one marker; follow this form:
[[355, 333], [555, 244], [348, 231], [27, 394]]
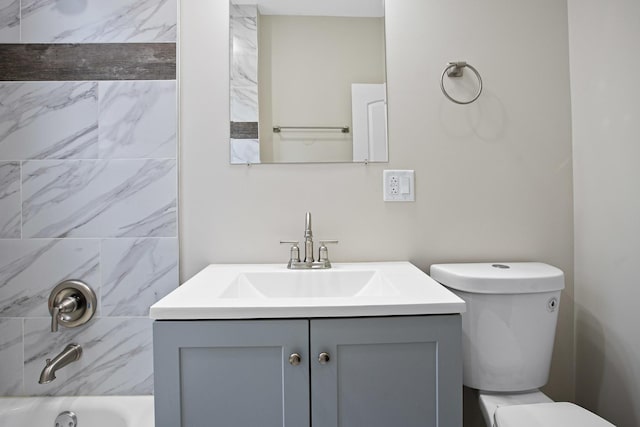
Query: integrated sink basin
[[241, 291], [310, 284]]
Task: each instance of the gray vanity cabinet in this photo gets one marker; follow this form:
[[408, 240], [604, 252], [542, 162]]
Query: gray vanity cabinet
[[387, 372], [219, 373], [354, 372]]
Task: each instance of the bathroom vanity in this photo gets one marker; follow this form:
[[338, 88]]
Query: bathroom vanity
[[366, 344]]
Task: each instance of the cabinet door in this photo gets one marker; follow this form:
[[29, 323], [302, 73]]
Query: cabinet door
[[383, 372], [231, 373]]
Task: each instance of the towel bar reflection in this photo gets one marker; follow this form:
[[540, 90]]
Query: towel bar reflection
[[343, 129]]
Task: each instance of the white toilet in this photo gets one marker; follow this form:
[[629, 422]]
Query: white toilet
[[507, 341]]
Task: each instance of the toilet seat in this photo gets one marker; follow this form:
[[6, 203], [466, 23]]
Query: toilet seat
[[489, 401], [557, 414]]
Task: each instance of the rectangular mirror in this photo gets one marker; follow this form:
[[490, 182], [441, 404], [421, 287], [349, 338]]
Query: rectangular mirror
[[307, 81]]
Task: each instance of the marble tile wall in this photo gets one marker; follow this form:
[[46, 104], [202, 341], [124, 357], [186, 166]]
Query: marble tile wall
[[88, 191], [9, 21], [98, 21], [244, 80], [245, 151]]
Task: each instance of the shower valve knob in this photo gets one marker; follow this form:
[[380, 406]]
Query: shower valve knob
[[71, 303]]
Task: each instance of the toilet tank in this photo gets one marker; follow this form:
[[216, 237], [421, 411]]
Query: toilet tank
[[509, 326]]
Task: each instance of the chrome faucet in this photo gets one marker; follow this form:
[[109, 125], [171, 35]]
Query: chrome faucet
[[308, 239], [308, 261], [70, 354]]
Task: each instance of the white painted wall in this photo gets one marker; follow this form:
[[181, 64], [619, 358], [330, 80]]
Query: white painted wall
[[605, 60], [493, 179]]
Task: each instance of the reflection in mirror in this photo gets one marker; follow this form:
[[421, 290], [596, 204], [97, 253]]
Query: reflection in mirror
[[307, 81]]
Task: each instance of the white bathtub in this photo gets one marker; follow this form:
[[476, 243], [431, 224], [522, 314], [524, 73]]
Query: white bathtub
[[91, 411]]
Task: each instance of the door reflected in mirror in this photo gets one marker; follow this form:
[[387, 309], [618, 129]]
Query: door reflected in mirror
[[307, 81]]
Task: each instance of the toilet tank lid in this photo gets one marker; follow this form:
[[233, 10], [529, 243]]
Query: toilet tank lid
[[557, 414], [499, 277]]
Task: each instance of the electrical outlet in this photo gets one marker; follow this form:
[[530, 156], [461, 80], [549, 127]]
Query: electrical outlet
[[394, 184], [398, 186]]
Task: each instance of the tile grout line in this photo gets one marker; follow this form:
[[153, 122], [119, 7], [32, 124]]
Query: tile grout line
[[24, 387], [21, 202]]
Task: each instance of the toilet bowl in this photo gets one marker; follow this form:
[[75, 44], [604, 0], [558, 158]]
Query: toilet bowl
[[508, 332]]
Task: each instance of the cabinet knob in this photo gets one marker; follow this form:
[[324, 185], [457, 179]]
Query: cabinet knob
[[295, 359], [324, 358]]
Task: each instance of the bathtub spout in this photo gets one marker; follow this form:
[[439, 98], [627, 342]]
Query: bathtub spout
[[70, 354]]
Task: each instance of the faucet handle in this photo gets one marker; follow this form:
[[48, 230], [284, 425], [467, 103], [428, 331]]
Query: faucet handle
[[68, 305], [55, 313], [294, 254], [322, 242], [71, 303], [323, 253]]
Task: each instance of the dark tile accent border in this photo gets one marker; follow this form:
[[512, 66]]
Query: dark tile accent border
[[244, 130], [91, 61]]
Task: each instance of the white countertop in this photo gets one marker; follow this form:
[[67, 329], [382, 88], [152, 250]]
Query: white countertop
[[219, 292]]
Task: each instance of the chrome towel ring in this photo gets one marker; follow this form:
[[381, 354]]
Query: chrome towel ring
[[455, 69]]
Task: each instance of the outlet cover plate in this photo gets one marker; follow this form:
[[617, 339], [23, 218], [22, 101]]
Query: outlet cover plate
[[398, 186]]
